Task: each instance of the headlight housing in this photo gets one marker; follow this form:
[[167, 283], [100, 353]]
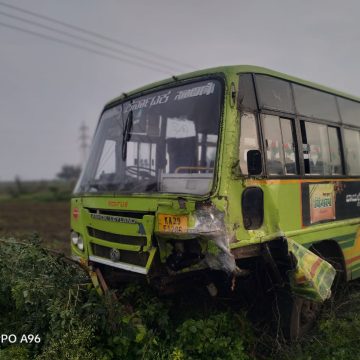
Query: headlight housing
[[80, 243], [74, 237], [77, 240]]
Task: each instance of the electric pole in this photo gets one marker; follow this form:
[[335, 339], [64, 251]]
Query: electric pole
[[84, 142]]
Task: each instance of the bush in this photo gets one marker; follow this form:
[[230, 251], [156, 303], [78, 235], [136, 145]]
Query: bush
[[46, 295], [54, 298], [217, 337], [15, 352], [337, 333]]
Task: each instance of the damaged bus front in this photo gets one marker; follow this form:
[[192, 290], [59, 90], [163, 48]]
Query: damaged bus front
[[148, 201]]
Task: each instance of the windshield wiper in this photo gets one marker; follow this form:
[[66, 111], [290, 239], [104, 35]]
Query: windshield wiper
[[95, 185], [138, 186], [103, 186], [127, 134]]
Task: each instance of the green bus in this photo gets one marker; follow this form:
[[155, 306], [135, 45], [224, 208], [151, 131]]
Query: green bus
[[206, 179]]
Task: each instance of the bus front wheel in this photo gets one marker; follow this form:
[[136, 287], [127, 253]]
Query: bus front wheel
[[296, 315]]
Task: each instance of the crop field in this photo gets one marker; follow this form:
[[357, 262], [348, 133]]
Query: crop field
[[44, 294]]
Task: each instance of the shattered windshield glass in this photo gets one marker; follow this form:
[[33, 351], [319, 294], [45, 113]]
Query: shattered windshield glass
[[165, 141]]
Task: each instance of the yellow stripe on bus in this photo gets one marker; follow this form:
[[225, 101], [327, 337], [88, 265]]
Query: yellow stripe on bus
[[293, 181]]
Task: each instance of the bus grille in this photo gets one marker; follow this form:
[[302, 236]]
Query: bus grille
[[120, 239], [129, 257]]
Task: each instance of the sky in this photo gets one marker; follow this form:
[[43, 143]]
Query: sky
[[52, 83]]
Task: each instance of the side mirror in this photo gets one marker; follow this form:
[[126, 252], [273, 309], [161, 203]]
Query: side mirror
[[254, 162]]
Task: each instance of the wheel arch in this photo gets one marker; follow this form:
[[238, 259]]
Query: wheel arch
[[331, 251]]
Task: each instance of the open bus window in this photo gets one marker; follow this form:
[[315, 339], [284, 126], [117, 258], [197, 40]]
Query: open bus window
[[335, 152], [352, 146], [316, 148], [248, 139], [280, 145], [290, 158], [322, 151]]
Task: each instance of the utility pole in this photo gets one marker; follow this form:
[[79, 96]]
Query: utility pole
[[84, 142]]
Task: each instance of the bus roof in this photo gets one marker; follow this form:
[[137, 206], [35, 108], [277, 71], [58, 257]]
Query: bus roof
[[231, 70]]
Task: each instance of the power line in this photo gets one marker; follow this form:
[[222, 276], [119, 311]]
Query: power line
[[81, 47], [95, 34], [96, 43]]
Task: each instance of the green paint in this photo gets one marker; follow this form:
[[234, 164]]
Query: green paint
[[346, 241], [355, 273]]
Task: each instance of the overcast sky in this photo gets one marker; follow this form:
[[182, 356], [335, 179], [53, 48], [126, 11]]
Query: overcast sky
[[48, 89]]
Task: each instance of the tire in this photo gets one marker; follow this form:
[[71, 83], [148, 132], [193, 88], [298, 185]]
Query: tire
[[303, 317], [295, 315]]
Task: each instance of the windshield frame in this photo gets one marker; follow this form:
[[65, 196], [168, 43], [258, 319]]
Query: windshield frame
[[217, 76]]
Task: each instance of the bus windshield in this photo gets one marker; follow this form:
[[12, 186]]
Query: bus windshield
[[165, 141]]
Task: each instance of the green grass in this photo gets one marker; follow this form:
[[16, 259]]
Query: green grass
[[45, 295], [50, 296]]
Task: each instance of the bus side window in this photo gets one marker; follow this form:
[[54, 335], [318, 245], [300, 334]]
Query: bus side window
[[350, 111], [280, 145], [248, 139], [287, 131], [335, 152], [316, 148], [352, 149]]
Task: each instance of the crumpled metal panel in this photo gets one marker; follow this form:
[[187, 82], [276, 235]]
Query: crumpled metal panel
[[313, 276]]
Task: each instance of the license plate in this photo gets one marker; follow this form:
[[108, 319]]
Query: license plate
[[173, 223]]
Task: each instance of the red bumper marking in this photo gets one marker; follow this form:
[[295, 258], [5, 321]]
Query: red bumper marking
[[75, 213]]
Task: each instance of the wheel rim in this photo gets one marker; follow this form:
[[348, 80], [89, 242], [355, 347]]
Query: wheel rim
[[304, 315], [309, 312]]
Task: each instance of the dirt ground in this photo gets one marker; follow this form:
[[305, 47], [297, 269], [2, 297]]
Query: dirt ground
[[51, 220]]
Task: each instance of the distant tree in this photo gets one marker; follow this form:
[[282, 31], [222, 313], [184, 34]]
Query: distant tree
[[69, 172], [17, 188]]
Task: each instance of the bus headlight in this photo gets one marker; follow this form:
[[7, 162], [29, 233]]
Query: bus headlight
[[80, 243], [74, 237]]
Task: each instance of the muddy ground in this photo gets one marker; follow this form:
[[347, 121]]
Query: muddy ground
[[51, 220]]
